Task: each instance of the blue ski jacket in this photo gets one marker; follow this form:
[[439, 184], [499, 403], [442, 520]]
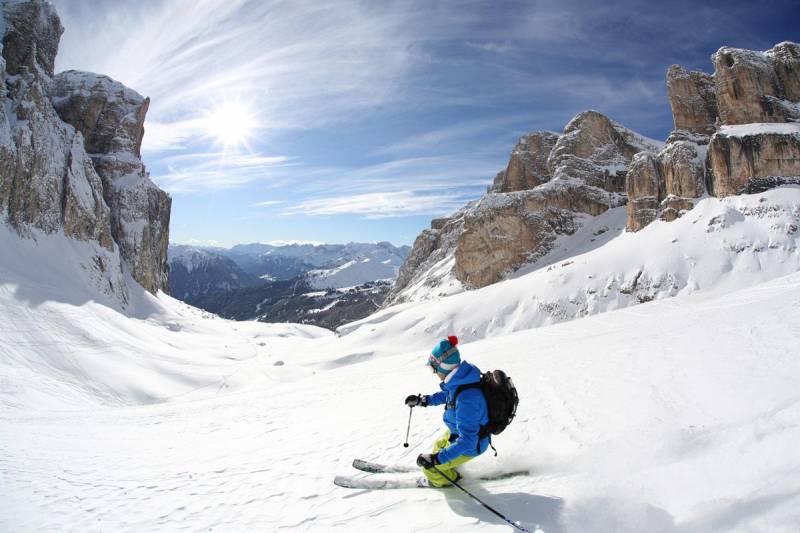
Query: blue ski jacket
[[465, 418]]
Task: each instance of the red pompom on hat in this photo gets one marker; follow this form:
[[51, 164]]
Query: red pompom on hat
[[453, 340]]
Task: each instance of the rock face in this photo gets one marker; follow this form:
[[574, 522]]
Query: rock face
[[665, 184], [738, 154], [597, 164], [645, 188], [527, 166], [69, 155], [597, 151], [755, 94], [693, 100], [31, 38], [758, 86], [111, 118], [478, 245], [504, 232]]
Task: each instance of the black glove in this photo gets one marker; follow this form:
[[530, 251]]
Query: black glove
[[415, 400], [428, 460]]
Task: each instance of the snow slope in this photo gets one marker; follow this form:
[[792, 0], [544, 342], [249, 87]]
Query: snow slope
[[65, 343], [680, 415], [721, 245]]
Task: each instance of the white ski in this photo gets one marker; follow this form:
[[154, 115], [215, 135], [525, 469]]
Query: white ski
[[353, 482], [377, 468]]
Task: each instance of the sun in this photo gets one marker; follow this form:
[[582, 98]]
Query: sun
[[231, 123]]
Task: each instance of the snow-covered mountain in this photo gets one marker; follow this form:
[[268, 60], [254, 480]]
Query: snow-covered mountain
[[322, 284], [680, 414], [295, 300], [195, 272], [657, 369], [721, 245], [328, 265]]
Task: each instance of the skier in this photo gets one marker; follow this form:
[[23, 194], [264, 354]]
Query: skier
[[461, 441]]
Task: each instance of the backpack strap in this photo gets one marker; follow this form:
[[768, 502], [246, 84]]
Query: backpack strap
[[459, 390]]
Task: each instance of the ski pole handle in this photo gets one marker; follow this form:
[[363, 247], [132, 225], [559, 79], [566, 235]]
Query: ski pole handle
[[408, 430]]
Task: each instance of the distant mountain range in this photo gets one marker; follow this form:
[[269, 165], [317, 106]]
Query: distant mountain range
[[321, 284]]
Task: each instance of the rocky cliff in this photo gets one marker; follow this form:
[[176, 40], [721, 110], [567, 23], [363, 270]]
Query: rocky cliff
[[551, 185], [732, 127], [70, 156], [736, 130]]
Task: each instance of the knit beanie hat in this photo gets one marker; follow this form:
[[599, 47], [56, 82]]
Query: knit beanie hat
[[444, 356]]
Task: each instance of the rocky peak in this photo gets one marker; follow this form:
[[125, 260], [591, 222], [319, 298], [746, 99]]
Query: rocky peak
[[69, 156], [597, 151], [756, 86], [527, 165], [33, 31], [111, 118], [109, 115], [529, 206], [756, 94], [693, 100]]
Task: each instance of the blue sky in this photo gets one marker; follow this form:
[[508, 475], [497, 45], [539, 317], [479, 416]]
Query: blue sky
[[360, 121]]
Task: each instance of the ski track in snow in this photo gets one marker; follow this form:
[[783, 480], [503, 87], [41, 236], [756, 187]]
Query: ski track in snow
[[645, 419], [678, 415]]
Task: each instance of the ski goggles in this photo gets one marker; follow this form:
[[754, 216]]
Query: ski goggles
[[438, 362]]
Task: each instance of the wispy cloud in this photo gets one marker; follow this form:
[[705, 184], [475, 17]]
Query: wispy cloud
[[378, 205], [435, 140], [491, 46], [300, 63], [216, 170], [266, 203], [431, 174]]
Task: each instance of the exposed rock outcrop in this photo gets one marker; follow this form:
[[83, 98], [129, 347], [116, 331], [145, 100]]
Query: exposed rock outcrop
[[482, 242], [597, 164], [758, 86], [692, 99], [597, 151], [527, 166], [738, 154], [48, 181], [505, 231], [665, 184], [645, 188], [111, 118], [748, 87], [110, 115], [32, 33]]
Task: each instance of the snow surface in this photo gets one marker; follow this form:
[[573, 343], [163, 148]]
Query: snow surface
[[757, 128], [721, 244], [677, 415]]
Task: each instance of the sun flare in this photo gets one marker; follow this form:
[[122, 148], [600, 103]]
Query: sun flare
[[231, 123]]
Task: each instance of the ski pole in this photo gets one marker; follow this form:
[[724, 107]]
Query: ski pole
[[410, 411], [454, 482]]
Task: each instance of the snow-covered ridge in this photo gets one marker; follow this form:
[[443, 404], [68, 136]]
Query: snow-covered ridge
[[721, 245], [326, 265], [73, 344], [757, 128], [707, 442]]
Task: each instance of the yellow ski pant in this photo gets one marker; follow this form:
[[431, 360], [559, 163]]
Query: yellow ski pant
[[449, 468]]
